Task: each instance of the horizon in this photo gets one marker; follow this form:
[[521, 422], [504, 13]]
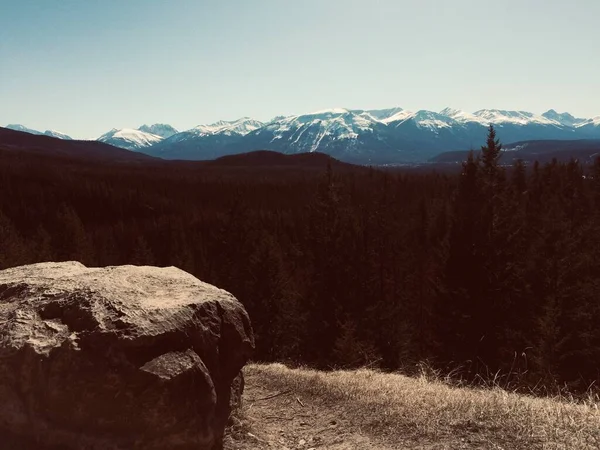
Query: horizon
[[84, 69]]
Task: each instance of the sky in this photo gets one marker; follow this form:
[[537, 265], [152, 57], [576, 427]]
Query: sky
[[84, 67]]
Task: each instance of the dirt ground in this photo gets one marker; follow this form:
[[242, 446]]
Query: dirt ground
[[272, 418], [284, 420]]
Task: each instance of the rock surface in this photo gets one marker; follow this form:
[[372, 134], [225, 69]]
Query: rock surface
[[117, 358]]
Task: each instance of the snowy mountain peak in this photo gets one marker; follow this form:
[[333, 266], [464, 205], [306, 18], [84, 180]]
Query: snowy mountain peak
[[159, 129], [309, 132], [19, 127], [562, 118], [241, 126], [58, 135], [129, 138], [450, 112], [424, 114], [460, 115], [331, 116], [432, 120], [399, 116], [499, 116], [328, 112], [383, 114]]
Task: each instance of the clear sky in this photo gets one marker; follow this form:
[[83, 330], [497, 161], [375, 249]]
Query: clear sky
[[86, 66]]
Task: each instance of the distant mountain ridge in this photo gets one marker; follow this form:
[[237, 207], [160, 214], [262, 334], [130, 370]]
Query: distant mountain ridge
[[392, 135], [51, 133], [14, 142]]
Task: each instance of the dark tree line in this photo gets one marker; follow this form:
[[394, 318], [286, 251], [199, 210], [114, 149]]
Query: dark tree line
[[495, 270]]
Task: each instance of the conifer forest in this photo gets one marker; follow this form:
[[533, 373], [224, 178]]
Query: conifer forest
[[489, 272]]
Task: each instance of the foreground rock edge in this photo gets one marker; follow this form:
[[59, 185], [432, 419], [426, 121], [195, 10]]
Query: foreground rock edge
[[117, 357]]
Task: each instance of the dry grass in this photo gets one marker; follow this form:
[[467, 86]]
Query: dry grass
[[403, 412]]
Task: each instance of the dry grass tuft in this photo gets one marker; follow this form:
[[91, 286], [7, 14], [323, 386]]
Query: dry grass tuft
[[395, 408]]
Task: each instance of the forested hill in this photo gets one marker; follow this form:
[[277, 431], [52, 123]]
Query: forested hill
[[46, 146], [584, 150], [271, 159], [29, 145], [487, 273]]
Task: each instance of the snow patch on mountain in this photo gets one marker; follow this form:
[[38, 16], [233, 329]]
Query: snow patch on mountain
[[422, 119], [24, 129], [334, 123], [462, 116], [498, 116], [319, 130], [383, 114], [241, 127], [57, 134], [432, 120], [129, 138], [593, 122], [399, 116]]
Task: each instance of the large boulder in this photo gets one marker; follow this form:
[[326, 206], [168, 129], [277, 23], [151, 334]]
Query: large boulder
[[117, 358]]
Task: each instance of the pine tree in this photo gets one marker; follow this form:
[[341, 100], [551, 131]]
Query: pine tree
[[477, 270], [490, 154]]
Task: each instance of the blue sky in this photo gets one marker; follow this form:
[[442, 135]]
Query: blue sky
[[86, 66]]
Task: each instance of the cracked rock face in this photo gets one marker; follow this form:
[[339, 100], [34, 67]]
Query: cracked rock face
[[117, 358]]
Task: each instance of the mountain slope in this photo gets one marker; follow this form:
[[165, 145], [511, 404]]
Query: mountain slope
[[351, 136], [26, 143], [51, 133], [565, 119], [159, 129], [206, 142]]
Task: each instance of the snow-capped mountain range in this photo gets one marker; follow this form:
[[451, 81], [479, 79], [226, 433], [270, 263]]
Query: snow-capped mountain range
[[360, 136], [51, 133]]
